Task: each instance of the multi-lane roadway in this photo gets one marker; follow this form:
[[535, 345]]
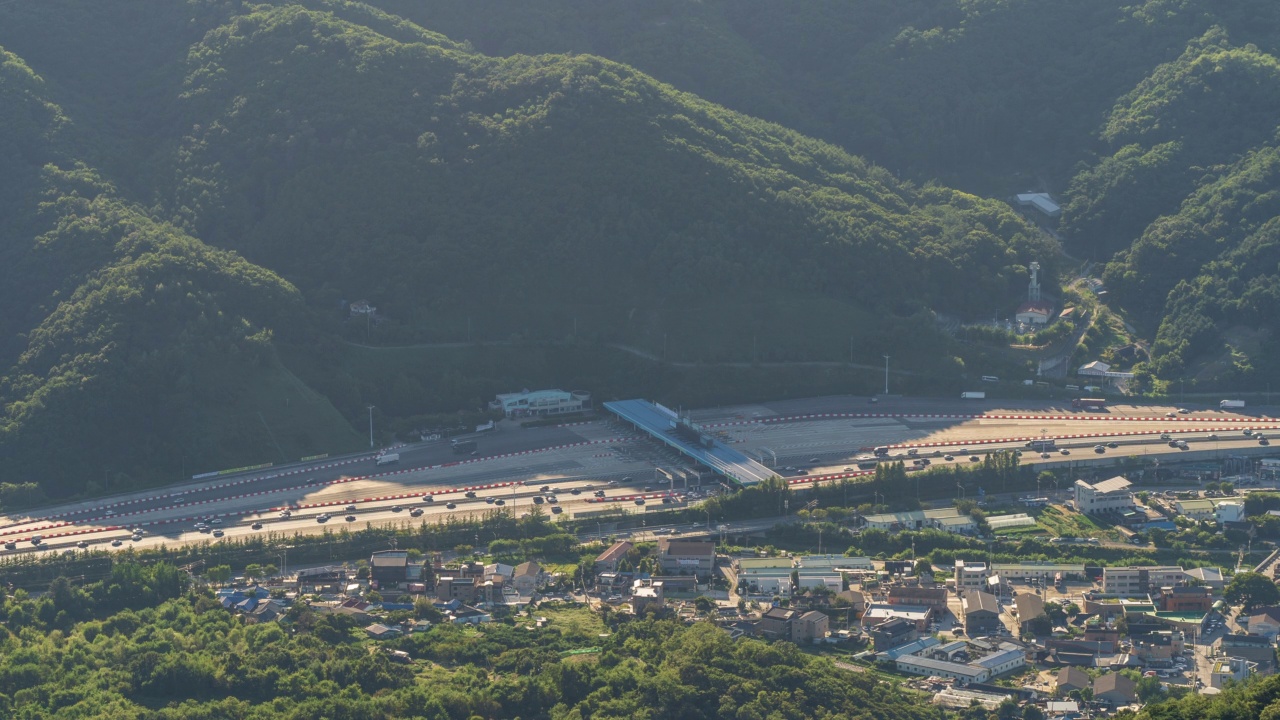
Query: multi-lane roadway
[[824, 437]]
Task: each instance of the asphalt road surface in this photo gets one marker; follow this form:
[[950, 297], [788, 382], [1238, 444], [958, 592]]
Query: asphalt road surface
[[512, 463]]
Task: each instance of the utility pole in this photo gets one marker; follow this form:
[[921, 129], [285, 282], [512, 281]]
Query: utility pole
[[886, 374], [371, 427]]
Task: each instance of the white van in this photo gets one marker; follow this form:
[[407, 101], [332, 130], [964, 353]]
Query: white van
[[389, 459]]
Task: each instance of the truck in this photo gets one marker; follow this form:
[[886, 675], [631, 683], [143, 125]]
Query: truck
[[1043, 445], [1225, 404], [462, 447], [972, 395], [388, 459], [1091, 404]]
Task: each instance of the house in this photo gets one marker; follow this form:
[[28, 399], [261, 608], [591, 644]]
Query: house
[[1228, 669], [327, 579], [607, 561], [456, 588], [686, 557], [677, 584], [1158, 649], [1097, 368], [810, 627], [501, 570], [917, 615], [1256, 649], [1114, 689], [1070, 679], [1107, 496], [855, 599], [268, 611], [1062, 709], [935, 598], [378, 631], [1185, 598], [1265, 622], [981, 613], [892, 633], [1030, 611], [775, 623], [389, 568], [646, 595], [362, 308], [1034, 312], [467, 615], [527, 578]]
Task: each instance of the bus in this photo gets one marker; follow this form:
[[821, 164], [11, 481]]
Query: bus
[[462, 446], [1094, 404]]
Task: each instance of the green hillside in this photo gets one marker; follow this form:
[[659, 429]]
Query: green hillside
[[191, 204]]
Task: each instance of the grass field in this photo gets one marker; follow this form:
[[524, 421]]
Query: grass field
[[1061, 522], [578, 622]]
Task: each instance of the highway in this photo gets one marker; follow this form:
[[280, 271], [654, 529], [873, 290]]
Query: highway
[[821, 436]]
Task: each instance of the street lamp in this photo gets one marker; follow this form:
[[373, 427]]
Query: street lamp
[[886, 374], [371, 427]]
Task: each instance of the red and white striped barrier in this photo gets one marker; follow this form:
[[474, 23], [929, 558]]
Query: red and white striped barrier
[[971, 416], [329, 482]]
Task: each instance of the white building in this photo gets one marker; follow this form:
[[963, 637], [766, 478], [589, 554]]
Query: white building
[[1034, 312], [971, 576], [1229, 511], [1042, 203], [1228, 669], [1097, 368], [1042, 571], [1136, 580], [1107, 496], [528, 403], [1007, 659]]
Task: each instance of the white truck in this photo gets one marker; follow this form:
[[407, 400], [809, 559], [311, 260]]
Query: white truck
[[389, 459], [1225, 404], [972, 395]]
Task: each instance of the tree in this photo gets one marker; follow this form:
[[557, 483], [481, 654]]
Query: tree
[[1251, 590], [252, 571], [1149, 689], [218, 574]]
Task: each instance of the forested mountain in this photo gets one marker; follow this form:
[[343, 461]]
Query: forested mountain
[[1187, 197], [197, 190], [1156, 99], [188, 204]]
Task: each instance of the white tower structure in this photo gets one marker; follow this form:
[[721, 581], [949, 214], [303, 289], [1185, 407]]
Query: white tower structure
[[1033, 289]]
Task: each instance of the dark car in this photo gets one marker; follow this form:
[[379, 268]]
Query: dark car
[[416, 512], [1113, 445], [471, 493], [639, 501], [256, 526], [351, 518], [451, 506]]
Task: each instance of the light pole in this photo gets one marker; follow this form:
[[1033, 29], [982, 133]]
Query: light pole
[[371, 426], [886, 374]]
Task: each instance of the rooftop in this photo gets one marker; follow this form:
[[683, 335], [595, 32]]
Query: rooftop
[[1115, 484]]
